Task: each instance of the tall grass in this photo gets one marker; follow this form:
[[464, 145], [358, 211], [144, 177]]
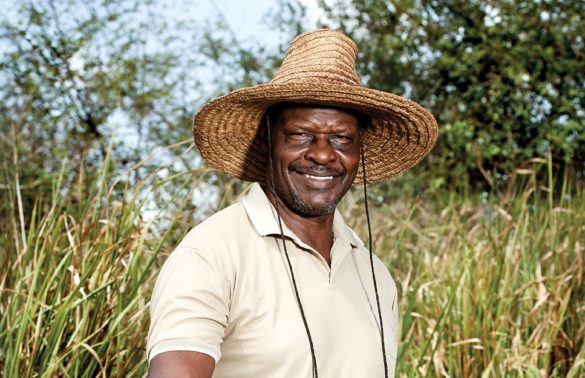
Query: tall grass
[[491, 284], [77, 273]]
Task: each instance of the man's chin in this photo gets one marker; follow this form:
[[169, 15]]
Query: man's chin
[[311, 210]]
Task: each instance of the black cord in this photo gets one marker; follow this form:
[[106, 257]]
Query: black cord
[[372, 262], [294, 282]]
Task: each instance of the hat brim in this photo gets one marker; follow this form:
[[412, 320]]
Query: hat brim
[[227, 135]]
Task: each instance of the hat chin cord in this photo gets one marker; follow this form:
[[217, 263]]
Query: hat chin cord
[[370, 247], [294, 283]]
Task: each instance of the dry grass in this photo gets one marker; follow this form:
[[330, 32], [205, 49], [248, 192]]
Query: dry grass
[[490, 285]]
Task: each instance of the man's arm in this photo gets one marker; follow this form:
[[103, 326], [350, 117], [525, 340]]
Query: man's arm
[[181, 364], [188, 312]]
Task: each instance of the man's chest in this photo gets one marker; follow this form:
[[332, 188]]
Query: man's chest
[[265, 332]]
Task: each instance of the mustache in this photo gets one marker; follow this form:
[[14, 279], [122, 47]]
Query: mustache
[[315, 170]]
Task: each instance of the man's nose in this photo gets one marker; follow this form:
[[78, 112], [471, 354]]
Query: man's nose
[[320, 151]]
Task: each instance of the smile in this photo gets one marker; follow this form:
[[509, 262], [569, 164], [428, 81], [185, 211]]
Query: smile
[[319, 178]]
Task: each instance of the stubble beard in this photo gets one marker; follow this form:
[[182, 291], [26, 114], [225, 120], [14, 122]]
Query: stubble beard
[[296, 204], [303, 208]]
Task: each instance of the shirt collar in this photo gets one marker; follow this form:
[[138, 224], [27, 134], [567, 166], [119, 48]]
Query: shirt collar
[[263, 217]]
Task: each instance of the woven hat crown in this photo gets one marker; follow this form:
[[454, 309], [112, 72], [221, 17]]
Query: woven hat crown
[[322, 56]]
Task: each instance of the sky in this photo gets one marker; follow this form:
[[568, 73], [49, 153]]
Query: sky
[[245, 17]]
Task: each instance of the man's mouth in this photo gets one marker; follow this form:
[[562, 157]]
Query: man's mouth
[[318, 173], [319, 178]]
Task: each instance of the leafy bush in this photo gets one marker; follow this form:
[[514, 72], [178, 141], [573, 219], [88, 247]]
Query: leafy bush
[[506, 81]]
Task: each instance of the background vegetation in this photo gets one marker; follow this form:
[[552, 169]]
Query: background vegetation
[[99, 179]]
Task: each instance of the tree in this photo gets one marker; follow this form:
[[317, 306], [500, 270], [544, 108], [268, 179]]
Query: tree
[[76, 74], [504, 79]]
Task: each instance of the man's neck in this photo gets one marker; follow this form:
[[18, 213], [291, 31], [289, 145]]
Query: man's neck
[[316, 232]]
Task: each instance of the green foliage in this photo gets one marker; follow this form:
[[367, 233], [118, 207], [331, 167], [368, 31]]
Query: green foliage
[[74, 73], [505, 80]]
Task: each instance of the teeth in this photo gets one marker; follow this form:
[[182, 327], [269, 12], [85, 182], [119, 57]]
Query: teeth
[[321, 178]]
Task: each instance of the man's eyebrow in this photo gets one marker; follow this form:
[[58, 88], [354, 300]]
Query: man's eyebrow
[[340, 129]]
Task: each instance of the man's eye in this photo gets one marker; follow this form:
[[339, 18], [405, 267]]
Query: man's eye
[[342, 139], [299, 136]]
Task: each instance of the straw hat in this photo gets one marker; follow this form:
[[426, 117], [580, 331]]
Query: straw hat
[[318, 68]]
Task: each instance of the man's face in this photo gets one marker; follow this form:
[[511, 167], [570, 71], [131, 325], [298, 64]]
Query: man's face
[[315, 157]]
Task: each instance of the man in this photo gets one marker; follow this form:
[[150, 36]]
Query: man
[[278, 285]]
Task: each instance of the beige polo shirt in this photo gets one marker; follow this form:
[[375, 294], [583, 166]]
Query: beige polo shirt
[[226, 291]]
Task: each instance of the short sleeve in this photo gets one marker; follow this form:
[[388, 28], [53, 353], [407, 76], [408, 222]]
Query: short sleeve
[[189, 308]]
